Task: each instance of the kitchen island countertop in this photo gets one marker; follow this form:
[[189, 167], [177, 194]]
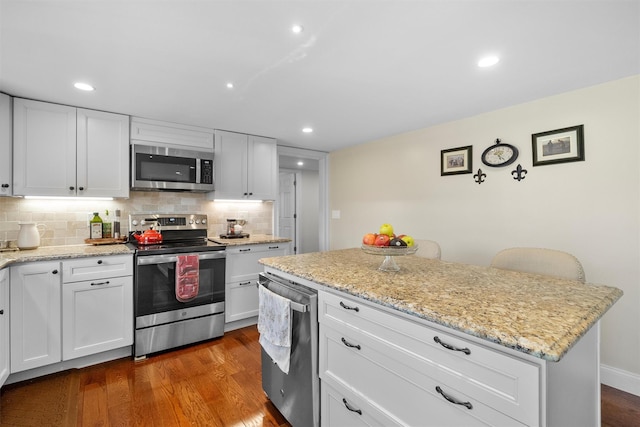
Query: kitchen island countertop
[[253, 239], [539, 315], [45, 253]]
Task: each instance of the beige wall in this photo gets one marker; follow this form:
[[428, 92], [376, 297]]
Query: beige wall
[[590, 208], [67, 221]]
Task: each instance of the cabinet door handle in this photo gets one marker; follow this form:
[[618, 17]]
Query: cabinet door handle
[[348, 307], [453, 400], [5, 185], [81, 188], [450, 347], [1, 312], [348, 344], [99, 261], [244, 283], [351, 408], [54, 272], [99, 283], [244, 250]]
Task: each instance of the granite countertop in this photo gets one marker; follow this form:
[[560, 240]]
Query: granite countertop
[[45, 253], [539, 315], [253, 239]]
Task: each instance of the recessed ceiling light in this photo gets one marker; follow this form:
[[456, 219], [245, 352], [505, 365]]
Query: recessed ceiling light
[[297, 29], [300, 163], [84, 86], [307, 130], [229, 85], [488, 61]]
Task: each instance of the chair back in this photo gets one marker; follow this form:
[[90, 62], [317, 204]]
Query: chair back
[[550, 262], [428, 249]]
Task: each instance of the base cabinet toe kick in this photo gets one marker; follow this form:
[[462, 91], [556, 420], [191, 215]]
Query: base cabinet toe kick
[[381, 369]]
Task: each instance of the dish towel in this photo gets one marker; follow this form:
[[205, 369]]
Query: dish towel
[[187, 277], [274, 325]]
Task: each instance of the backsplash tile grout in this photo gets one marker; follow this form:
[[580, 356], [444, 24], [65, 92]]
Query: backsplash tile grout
[[67, 222]]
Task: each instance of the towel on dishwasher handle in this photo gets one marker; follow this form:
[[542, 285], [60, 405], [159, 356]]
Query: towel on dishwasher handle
[[274, 325], [187, 277]]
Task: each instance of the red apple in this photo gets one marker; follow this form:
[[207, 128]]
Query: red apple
[[382, 240], [369, 239]]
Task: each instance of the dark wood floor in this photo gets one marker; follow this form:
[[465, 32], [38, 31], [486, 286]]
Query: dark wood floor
[[217, 383]]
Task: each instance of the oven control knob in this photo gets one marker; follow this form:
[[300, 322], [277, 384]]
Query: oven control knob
[[134, 222], [204, 221], [191, 221], [143, 222], [197, 221]]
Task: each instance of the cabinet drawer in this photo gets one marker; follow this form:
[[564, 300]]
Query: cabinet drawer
[[497, 380], [342, 407], [242, 261], [389, 381], [97, 268]]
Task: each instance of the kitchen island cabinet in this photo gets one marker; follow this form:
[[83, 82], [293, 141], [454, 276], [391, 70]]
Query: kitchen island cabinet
[[60, 150], [512, 348], [246, 167]]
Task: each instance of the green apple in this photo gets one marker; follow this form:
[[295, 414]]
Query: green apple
[[386, 229], [408, 240]]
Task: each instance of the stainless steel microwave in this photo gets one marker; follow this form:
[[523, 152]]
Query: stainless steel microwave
[[170, 169]]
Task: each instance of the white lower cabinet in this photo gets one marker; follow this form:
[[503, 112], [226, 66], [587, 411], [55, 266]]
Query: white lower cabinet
[[65, 310], [4, 326], [398, 372], [36, 338], [242, 268], [96, 318]]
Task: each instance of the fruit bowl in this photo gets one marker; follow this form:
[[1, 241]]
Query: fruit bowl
[[389, 252]]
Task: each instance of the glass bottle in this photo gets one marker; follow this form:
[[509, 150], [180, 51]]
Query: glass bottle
[[106, 225], [95, 226], [116, 225]]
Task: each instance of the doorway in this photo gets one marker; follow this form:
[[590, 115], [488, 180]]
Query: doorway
[[301, 208]]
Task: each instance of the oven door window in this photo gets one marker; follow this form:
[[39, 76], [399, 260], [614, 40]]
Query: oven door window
[[154, 167], [155, 287]]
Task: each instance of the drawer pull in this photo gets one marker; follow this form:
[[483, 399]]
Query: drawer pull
[[244, 250], [348, 344], [244, 283], [452, 400], [450, 347], [347, 307], [100, 283], [274, 247], [351, 408]]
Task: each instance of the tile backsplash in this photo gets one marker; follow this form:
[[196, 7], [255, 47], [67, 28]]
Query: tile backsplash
[[67, 221]]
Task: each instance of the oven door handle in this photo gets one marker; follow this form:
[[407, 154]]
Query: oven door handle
[[163, 259]]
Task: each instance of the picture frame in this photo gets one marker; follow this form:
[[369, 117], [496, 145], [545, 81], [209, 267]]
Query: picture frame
[[558, 146], [456, 161]]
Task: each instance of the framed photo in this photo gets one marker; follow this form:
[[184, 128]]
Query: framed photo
[[455, 161], [558, 146]]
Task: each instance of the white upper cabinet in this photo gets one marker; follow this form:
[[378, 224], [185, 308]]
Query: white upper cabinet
[[64, 151], [102, 153], [6, 187], [246, 167], [171, 134]]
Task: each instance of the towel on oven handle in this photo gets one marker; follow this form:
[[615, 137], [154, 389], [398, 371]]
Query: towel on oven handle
[[274, 325], [187, 277]]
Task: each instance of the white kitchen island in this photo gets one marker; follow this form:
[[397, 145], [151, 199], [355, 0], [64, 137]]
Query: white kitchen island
[[441, 343]]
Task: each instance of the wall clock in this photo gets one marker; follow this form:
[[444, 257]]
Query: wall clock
[[499, 154]]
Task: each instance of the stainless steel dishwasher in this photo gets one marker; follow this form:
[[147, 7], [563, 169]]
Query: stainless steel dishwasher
[[296, 394]]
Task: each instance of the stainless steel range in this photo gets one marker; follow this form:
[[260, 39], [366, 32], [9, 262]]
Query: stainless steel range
[[178, 282]]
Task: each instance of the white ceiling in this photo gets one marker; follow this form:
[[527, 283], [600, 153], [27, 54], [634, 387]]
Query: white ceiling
[[360, 71]]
